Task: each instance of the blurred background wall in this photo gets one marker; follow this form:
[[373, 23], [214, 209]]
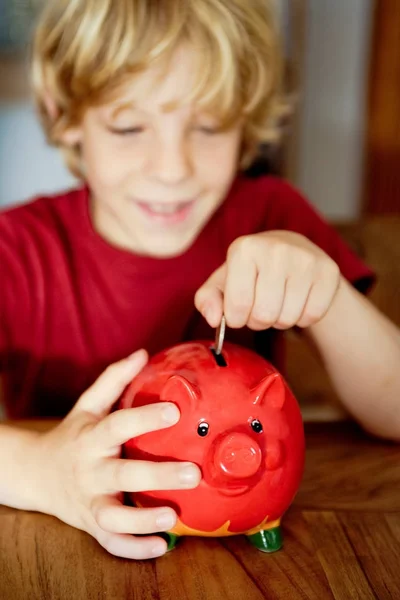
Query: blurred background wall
[[329, 136], [332, 122]]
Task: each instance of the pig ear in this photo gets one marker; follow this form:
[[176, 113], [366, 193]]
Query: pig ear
[[180, 390], [270, 391]]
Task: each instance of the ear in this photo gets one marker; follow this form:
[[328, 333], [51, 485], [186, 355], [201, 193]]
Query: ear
[[71, 136], [270, 391], [180, 390], [50, 105]]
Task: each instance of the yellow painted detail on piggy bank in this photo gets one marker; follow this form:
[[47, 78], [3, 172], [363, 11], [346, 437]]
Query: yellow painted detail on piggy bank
[[182, 529]]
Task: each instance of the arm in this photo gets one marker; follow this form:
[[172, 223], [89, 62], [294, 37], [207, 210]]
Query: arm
[[360, 349], [281, 279]]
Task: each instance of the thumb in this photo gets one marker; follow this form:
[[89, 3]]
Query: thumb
[[209, 299], [102, 395]]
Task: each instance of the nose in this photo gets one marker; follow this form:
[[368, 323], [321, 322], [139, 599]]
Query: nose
[[238, 456], [171, 163]]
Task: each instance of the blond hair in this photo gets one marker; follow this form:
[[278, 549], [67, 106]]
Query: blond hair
[[85, 50]]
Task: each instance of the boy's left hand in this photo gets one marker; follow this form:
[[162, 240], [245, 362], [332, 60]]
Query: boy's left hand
[[274, 279]]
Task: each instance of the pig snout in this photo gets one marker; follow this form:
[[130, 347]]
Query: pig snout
[[237, 456]]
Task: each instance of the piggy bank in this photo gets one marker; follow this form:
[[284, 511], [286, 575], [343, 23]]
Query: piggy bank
[[242, 426]]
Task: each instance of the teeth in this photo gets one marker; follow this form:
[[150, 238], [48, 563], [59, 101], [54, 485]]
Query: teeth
[[165, 209]]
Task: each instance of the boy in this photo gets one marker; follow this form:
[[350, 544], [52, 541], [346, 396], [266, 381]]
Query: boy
[[158, 107]]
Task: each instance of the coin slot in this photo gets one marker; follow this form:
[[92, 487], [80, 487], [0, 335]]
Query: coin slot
[[219, 358]]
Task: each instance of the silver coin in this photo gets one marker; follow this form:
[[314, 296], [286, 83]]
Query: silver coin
[[220, 336]]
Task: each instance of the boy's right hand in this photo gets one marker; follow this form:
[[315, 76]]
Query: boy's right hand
[[82, 476]]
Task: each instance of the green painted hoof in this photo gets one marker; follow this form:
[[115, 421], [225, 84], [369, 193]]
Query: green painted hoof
[[269, 540], [171, 540]]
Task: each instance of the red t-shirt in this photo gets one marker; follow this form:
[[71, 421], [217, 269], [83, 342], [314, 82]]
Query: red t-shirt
[[70, 303]]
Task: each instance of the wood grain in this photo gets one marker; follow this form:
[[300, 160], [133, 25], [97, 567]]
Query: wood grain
[[341, 541], [295, 572], [351, 472], [338, 559], [373, 541]]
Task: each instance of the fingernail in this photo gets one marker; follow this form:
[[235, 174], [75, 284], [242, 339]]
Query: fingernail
[[158, 549], [188, 475], [170, 414], [138, 355], [166, 520], [133, 361]]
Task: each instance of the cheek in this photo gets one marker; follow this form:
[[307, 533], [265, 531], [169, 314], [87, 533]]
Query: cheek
[[218, 164], [107, 162]]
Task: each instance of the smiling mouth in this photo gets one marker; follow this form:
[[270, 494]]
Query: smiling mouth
[[168, 213]]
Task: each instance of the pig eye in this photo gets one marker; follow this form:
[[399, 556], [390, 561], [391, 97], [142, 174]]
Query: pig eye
[[256, 426], [202, 429]]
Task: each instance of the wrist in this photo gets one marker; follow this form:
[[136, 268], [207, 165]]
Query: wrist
[[37, 480], [335, 310], [20, 481]]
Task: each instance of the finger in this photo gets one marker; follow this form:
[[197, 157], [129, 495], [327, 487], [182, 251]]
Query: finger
[[296, 295], [120, 426], [240, 286], [126, 475], [270, 295], [128, 546], [209, 299], [319, 301], [103, 394], [112, 516]]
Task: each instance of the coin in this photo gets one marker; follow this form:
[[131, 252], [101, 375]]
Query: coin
[[220, 336]]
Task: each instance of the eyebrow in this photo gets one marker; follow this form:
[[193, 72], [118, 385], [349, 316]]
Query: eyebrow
[[131, 105], [121, 107]]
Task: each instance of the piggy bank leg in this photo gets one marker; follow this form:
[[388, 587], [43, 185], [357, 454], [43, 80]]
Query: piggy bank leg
[[171, 540], [267, 540]]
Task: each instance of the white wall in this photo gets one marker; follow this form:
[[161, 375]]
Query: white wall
[[333, 113], [27, 165]]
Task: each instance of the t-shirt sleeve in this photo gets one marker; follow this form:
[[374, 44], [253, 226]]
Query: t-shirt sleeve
[[294, 213]]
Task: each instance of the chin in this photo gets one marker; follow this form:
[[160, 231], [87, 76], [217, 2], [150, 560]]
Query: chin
[[169, 249]]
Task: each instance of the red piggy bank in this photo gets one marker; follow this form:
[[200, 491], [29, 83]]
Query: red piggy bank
[[240, 424]]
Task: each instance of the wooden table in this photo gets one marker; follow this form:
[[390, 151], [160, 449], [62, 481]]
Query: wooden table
[[341, 540]]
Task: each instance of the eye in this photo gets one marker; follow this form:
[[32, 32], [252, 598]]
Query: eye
[[256, 426], [208, 130], [202, 429], [127, 131]]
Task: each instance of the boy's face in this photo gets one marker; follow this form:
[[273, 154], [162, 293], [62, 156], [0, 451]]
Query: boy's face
[[156, 176]]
